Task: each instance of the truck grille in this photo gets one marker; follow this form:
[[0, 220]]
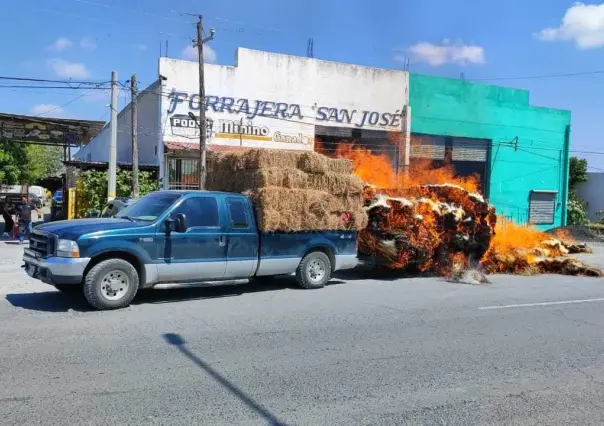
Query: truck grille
[[42, 243]]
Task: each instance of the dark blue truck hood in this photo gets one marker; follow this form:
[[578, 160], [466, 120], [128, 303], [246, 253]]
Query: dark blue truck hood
[[73, 229]]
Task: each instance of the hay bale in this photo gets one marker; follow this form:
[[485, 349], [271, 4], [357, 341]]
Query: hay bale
[[254, 159], [246, 180], [297, 210]]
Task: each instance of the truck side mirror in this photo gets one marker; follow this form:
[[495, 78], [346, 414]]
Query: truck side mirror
[[181, 223], [169, 225]]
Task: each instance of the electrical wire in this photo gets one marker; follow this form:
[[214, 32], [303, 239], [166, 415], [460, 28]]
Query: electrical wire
[[42, 80], [59, 107]]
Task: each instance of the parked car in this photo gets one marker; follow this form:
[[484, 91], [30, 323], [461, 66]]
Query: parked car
[[35, 200], [57, 211], [178, 237], [39, 192], [112, 208]]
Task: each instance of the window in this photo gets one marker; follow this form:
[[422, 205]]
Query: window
[[238, 214], [150, 207], [200, 212], [542, 207]]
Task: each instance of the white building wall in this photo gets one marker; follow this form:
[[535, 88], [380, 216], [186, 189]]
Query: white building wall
[[97, 149], [275, 101], [591, 191]]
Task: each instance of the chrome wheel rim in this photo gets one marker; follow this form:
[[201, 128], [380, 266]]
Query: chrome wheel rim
[[115, 285], [317, 269]]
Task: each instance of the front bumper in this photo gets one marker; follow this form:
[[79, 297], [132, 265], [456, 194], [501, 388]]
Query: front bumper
[[55, 270]]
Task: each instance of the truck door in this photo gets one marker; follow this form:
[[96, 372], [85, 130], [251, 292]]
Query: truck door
[[242, 239], [199, 254]]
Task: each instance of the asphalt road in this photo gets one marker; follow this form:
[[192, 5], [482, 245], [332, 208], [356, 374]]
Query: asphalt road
[[363, 351]]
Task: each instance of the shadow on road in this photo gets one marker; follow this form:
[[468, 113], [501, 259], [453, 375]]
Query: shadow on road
[[177, 341], [55, 301], [362, 273], [184, 294], [49, 301]]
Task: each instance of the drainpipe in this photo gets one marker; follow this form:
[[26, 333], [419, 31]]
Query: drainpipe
[[566, 165]]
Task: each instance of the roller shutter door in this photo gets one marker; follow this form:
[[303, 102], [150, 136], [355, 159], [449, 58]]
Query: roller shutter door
[[427, 146], [542, 207], [470, 150]]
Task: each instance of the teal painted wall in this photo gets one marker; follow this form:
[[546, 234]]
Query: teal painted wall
[[451, 107]]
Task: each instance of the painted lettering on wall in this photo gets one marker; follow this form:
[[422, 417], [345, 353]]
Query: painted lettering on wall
[[281, 110]]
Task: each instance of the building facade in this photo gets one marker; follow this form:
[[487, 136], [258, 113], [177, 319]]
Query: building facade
[[279, 101], [521, 151], [591, 192]]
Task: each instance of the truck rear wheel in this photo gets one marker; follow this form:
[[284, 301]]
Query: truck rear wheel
[[111, 284], [314, 271]]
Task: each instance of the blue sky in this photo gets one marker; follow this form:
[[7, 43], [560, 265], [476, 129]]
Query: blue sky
[[484, 39]]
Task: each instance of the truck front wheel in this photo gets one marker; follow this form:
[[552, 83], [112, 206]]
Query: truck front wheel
[[314, 271], [111, 284]]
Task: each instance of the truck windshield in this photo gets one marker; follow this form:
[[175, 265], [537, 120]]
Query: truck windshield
[[150, 207]]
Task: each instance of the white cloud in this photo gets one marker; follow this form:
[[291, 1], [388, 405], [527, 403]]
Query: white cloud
[[44, 109], [61, 44], [141, 47], [582, 23], [190, 53], [68, 69], [87, 43], [445, 53]]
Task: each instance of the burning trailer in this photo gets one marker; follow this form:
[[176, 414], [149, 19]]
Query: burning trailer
[[426, 228]]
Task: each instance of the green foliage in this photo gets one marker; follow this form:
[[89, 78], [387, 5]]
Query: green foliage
[[44, 161], [577, 172], [22, 163], [93, 187], [577, 210], [13, 158]]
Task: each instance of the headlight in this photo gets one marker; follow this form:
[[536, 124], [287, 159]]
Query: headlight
[[68, 248]]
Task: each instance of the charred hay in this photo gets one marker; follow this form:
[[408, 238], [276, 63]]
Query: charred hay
[[421, 229]]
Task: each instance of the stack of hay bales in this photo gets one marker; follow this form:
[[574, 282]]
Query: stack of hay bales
[[292, 191]]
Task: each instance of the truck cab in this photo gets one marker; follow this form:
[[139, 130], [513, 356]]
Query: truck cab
[[178, 237]]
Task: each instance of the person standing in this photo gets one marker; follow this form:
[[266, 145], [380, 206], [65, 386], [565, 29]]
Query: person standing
[[24, 211], [9, 223]]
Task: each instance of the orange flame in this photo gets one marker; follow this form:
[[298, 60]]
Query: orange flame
[[377, 170], [512, 248]]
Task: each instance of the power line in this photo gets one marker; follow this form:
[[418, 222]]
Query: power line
[[42, 80], [22, 86], [556, 75], [58, 107]]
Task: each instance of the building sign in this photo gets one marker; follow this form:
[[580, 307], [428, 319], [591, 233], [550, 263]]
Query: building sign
[[186, 126], [48, 131], [251, 109], [268, 100]]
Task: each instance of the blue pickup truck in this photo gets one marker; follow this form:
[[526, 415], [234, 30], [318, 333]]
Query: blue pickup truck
[[178, 237]]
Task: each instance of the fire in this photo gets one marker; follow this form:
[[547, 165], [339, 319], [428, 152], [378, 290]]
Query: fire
[[433, 221], [377, 170]]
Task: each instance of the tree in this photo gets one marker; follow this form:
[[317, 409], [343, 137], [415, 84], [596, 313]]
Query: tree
[[44, 161], [13, 162], [22, 163], [92, 188], [577, 172], [576, 207]]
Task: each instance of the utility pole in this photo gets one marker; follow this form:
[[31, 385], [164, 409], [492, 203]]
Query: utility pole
[[113, 138], [134, 111], [202, 105]]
